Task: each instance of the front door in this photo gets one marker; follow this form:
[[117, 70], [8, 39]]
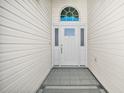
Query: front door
[[69, 46]]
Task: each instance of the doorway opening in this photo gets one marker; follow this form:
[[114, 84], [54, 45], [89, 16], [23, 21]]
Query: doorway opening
[[69, 40]]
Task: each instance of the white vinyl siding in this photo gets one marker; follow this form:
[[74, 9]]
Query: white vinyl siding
[[25, 49], [106, 42]]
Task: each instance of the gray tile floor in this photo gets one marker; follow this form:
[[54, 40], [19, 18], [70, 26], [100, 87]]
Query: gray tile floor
[[69, 77], [71, 80]]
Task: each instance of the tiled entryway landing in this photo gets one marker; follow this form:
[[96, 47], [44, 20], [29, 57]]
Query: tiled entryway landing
[[71, 80]]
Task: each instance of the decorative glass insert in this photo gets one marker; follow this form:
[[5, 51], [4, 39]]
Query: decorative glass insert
[[56, 37], [69, 14], [82, 37], [69, 32]]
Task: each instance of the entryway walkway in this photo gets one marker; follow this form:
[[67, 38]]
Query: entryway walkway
[[71, 80]]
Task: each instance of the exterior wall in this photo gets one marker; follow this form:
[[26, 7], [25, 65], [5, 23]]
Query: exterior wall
[[25, 50], [58, 5], [106, 42]]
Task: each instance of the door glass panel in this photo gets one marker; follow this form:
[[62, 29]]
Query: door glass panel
[[69, 14], [56, 37], [82, 37], [69, 32]]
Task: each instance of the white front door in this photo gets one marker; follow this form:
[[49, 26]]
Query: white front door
[[69, 46]]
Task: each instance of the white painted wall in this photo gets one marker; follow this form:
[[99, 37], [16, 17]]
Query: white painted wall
[[106, 42], [59, 5], [25, 50]]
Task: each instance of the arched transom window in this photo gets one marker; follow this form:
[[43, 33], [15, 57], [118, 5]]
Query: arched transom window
[[69, 14]]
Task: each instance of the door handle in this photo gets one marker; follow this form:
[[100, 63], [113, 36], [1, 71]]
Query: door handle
[[61, 48]]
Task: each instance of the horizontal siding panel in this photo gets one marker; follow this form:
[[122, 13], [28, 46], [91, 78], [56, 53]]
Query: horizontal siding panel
[[12, 56], [106, 42], [25, 49]]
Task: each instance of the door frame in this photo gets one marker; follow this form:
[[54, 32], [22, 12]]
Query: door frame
[[85, 42]]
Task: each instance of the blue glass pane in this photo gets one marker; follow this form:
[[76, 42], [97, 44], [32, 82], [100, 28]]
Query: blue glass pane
[[63, 18], [76, 19], [69, 32]]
